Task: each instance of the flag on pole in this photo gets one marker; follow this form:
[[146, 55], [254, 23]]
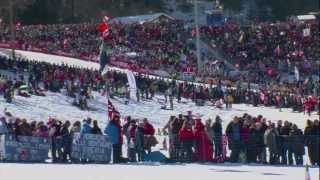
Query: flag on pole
[[307, 177], [112, 110], [132, 85]]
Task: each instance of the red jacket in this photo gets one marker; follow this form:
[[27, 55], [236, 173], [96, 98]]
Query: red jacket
[[186, 134], [148, 129]]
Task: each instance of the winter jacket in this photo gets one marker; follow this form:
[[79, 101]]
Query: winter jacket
[[114, 132], [186, 134], [309, 135], [148, 129], [296, 141], [86, 128], [96, 130], [233, 131], [217, 131], [245, 134], [271, 140], [139, 138], [132, 131], [176, 126], [203, 148]]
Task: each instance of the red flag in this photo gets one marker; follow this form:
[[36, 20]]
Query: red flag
[[112, 110]]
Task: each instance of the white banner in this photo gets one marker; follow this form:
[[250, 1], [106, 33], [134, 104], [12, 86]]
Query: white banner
[[2, 147], [132, 85], [296, 73]]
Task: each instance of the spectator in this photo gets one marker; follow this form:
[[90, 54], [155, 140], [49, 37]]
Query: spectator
[[95, 129], [217, 136], [114, 131], [186, 138]]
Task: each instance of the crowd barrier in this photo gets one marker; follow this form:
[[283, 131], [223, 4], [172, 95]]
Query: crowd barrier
[[24, 148], [85, 147]]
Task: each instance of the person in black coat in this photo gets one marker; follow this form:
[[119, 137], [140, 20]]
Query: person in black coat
[[66, 141], [284, 134], [316, 131], [310, 141], [217, 135], [296, 143], [233, 132], [95, 129]]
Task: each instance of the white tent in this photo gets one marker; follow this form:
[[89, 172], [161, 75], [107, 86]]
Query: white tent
[[306, 17], [141, 18]]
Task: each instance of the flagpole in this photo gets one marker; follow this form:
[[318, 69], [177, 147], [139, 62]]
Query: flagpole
[[196, 20], [12, 30]]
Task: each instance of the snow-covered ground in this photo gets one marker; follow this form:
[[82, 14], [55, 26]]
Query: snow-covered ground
[[152, 172], [59, 106]]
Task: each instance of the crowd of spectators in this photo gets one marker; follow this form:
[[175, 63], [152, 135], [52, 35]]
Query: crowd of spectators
[[250, 139], [149, 46], [264, 53], [79, 84], [268, 50]]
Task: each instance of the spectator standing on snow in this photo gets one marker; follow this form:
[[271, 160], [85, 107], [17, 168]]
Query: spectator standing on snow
[[139, 141], [233, 132], [96, 129], [217, 136], [66, 139], [186, 138], [114, 131], [86, 127]]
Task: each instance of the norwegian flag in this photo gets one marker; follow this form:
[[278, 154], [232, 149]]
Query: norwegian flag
[[112, 110]]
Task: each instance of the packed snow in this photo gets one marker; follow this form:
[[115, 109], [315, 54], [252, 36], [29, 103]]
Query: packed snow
[[59, 106], [153, 172]]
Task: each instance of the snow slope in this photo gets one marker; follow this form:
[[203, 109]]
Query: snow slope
[[59, 106]]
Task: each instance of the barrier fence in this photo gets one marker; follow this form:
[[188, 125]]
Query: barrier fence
[[98, 149], [86, 147]]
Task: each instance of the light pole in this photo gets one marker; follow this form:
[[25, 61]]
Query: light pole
[[12, 29], [199, 63]]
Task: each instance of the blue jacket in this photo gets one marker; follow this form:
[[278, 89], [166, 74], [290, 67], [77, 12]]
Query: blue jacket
[[85, 128], [113, 132]]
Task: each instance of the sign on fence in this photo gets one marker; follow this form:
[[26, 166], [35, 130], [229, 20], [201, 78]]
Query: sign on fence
[[24, 148], [91, 147], [2, 149]]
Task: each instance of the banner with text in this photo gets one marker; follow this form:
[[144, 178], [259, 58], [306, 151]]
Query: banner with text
[[91, 147], [24, 148]]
